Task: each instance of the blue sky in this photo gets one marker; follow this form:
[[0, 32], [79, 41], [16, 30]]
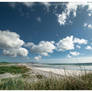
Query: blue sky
[[45, 32]]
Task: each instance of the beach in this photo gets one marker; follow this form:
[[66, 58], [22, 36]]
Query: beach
[[36, 77], [62, 72]]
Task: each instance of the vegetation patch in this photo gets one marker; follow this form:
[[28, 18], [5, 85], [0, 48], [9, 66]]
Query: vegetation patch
[[14, 69], [67, 83], [25, 75], [39, 76], [4, 63]]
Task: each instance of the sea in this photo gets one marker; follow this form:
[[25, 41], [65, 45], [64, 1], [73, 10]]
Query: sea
[[77, 66]]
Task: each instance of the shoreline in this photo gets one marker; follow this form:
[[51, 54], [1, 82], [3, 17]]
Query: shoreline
[[63, 72], [60, 72]]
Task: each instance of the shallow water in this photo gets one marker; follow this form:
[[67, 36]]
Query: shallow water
[[66, 67]]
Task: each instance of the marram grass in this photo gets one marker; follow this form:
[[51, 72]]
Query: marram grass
[[53, 83]]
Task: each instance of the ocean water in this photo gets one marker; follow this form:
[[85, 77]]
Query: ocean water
[[82, 66]]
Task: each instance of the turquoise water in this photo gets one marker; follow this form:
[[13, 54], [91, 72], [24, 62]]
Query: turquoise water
[[77, 66]]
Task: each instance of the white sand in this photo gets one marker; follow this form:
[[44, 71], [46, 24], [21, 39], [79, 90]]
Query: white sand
[[47, 71], [62, 71]]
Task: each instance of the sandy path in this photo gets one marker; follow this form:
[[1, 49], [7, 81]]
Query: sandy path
[[8, 75]]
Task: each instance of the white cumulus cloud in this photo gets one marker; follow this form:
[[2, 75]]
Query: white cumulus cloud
[[80, 41], [68, 43], [28, 4], [74, 53], [65, 44], [88, 25], [29, 44], [70, 7], [77, 46], [37, 58], [88, 47], [15, 52], [10, 40], [89, 14], [69, 56], [43, 48], [11, 44], [47, 4]]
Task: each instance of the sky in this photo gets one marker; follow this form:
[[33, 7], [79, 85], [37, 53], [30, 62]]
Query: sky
[[48, 32]]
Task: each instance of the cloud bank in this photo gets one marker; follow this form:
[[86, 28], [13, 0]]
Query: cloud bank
[[44, 48], [12, 45]]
